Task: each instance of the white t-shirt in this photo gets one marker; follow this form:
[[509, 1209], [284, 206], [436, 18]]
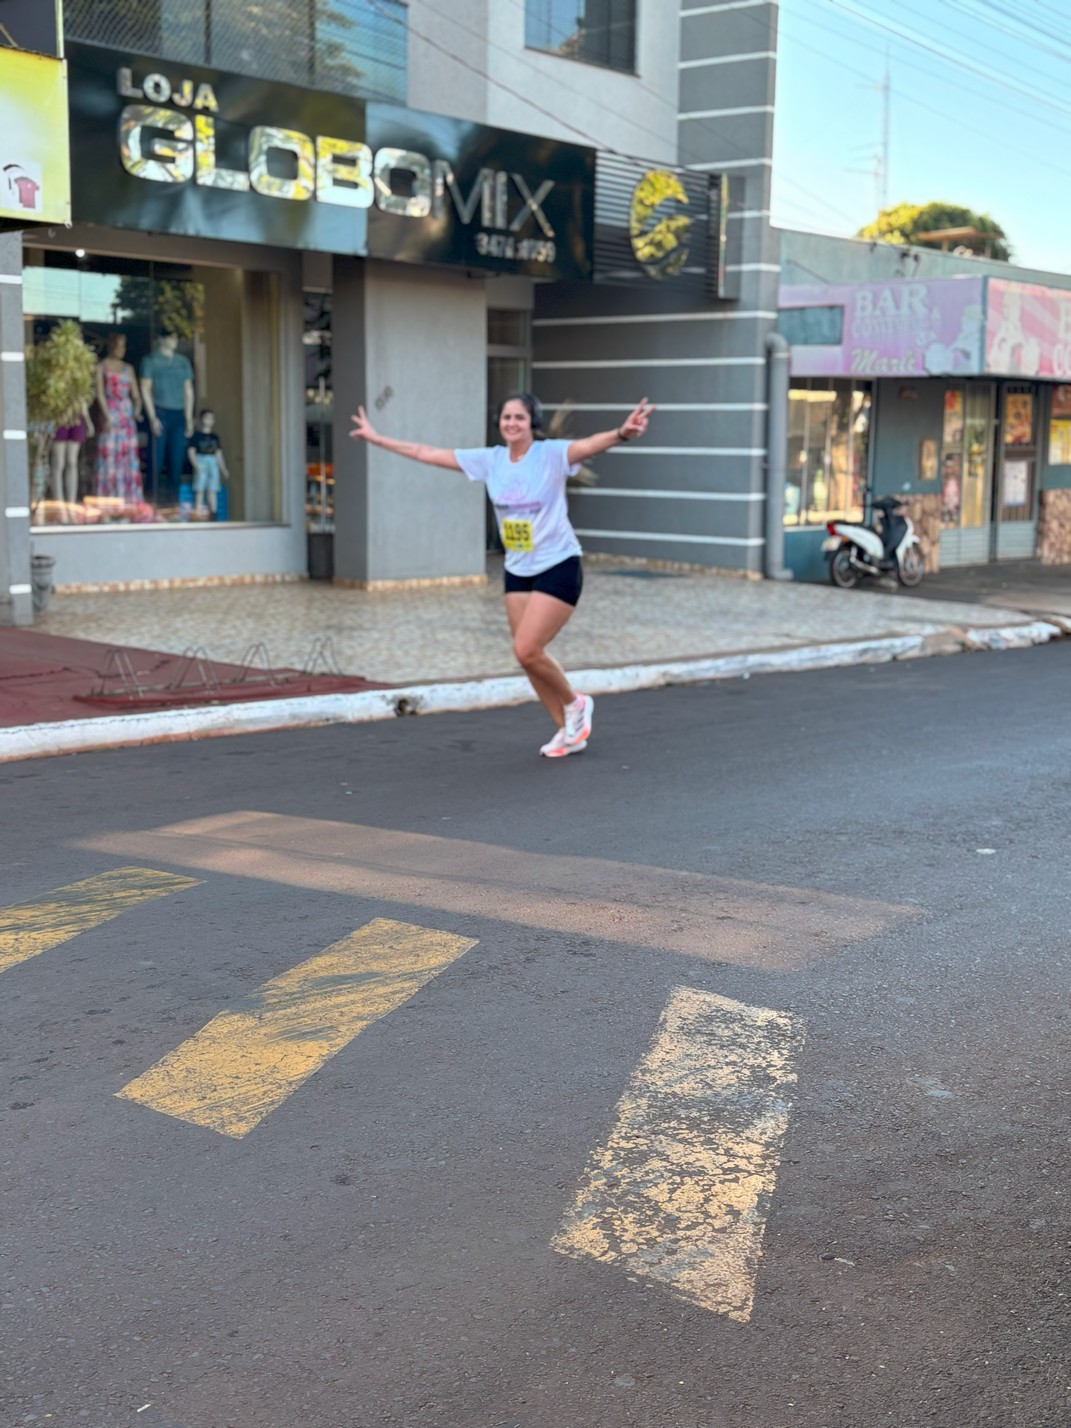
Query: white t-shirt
[[529, 501]]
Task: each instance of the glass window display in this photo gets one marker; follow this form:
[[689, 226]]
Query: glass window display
[[594, 31], [170, 338], [828, 444]]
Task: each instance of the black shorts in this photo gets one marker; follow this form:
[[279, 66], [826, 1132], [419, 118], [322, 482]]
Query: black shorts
[[564, 581]]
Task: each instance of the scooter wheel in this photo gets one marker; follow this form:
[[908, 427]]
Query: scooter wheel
[[841, 570], [911, 568]]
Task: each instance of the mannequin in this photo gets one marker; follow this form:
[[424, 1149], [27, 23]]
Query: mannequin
[[167, 387], [118, 462], [206, 458], [66, 449]]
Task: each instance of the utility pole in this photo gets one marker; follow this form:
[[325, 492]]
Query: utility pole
[[886, 130]]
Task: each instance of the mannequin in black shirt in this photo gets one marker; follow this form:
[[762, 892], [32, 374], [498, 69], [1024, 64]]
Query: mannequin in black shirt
[[206, 457]]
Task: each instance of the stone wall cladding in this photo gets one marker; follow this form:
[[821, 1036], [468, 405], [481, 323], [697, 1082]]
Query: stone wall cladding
[[1054, 527], [924, 509]]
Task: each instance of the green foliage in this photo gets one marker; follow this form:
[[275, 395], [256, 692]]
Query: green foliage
[[60, 376], [60, 380], [166, 305], [902, 224]]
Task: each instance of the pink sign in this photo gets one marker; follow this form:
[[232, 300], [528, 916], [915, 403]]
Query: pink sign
[[1028, 330], [895, 329]]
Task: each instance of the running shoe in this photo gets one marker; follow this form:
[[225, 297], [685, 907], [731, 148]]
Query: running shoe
[[557, 748], [578, 719]]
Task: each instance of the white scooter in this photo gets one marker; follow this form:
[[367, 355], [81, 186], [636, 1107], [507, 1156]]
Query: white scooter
[[888, 548]]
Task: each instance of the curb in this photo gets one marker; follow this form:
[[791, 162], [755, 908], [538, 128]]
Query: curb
[[115, 731]]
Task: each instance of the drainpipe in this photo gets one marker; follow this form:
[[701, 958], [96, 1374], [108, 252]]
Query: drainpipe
[[777, 356]]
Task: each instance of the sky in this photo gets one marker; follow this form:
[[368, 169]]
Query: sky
[[980, 115]]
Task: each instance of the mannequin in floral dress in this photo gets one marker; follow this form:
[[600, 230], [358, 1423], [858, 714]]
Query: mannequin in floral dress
[[118, 464]]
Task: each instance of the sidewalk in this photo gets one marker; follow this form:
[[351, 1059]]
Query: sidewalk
[[636, 627]]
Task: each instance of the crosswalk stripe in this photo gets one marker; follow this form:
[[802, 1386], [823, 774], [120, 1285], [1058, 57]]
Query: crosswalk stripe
[[680, 1191], [246, 1061], [30, 928]]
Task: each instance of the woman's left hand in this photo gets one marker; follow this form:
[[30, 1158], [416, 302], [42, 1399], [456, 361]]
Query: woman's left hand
[[635, 424]]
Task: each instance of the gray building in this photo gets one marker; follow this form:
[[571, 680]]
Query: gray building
[[415, 207]]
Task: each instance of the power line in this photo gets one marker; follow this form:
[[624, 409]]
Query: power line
[[581, 133], [1024, 154], [1017, 16], [1017, 30], [963, 63], [877, 49]]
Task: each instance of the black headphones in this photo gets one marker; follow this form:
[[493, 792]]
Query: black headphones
[[534, 406]]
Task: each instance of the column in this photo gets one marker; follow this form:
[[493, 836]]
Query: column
[[16, 607], [410, 344]]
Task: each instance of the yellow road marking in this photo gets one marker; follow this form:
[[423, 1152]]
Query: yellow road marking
[[30, 928], [245, 1062], [679, 1193]]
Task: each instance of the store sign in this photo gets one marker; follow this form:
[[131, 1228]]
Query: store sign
[[894, 329], [196, 151], [35, 185], [1028, 330], [657, 226]]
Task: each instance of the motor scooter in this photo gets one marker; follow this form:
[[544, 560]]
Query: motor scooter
[[886, 547]]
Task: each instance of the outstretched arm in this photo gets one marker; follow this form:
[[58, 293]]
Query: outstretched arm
[[635, 424], [363, 430]]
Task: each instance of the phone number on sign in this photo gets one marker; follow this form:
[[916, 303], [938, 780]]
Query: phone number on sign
[[528, 250]]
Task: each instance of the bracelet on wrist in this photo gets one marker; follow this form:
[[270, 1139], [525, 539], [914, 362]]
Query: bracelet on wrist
[[621, 435]]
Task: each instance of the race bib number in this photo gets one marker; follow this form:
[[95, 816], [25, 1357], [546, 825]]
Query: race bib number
[[517, 535]]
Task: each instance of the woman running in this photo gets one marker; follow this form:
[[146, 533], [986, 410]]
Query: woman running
[[525, 479]]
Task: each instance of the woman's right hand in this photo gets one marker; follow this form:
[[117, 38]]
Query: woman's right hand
[[363, 430]]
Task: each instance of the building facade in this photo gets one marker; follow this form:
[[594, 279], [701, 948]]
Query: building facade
[[281, 210], [944, 380]]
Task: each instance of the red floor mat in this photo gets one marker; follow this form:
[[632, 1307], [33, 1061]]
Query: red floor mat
[[46, 678]]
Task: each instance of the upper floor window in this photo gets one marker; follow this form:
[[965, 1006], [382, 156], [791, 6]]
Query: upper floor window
[[357, 47], [595, 31]]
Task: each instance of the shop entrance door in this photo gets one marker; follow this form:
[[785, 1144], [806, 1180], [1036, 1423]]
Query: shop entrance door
[[1015, 516], [966, 473]]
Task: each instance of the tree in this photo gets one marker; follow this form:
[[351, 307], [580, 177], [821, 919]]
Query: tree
[[162, 305], [60, 379], [904, 222]]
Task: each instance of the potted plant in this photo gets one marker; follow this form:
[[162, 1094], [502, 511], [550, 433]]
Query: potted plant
[[60, 377]]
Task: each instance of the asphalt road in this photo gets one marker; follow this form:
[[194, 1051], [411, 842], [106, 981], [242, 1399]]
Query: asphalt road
[[849, 888]]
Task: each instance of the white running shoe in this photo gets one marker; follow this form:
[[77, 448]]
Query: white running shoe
[[557, 748], [578, 719]]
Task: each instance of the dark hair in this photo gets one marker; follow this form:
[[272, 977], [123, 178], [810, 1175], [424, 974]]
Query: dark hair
[[532, 405], [207, 411], [114, 339]]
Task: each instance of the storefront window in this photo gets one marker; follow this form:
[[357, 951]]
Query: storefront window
[[952, 457], [596, 31], [828, 443], [355, 47], [966, 455], [1060, 427], [1019, 464], [183, 422], [976, 435]]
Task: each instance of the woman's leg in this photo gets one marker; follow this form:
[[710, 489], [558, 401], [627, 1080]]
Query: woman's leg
[[59, 464], [535, 619], [73, 451]]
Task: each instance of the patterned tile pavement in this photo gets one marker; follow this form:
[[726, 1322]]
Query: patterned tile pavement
[[629, 614]]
